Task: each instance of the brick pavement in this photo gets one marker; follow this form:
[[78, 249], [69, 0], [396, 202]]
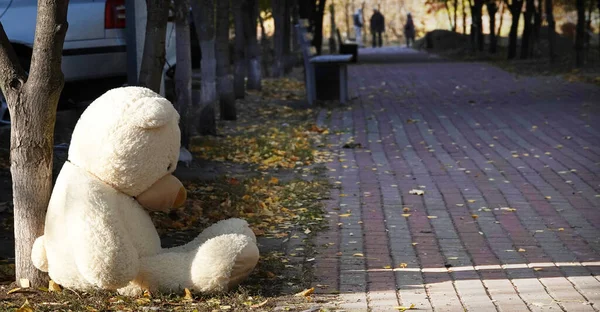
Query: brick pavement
[[510, 218]]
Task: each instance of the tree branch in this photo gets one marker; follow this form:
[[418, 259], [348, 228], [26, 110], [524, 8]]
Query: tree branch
[[12, 75]]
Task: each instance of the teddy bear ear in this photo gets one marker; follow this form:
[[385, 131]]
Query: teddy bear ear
[[153, 112]]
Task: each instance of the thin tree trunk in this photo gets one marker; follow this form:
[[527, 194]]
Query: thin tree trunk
[[492, 9], [464, 16], [551, 28], [224, 77], [183, 70], [318, 34], [598, 31], [32, 103], [580, 35], [455, 15], [515, 11], [452, 26], [526, 37], [153, 59], [267, 55], [499, 32], [347, 16], [287, 27], [254, 72], [278, 37], [239, 8], [537, 25], [204, 18]]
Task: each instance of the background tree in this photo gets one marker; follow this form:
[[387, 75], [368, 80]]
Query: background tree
[[580, 34], [551, 28], [32, 102], [527, 29], [153, 59], [239, 7], [253, 49], [224, 78], [183, 70], [514, 6], [492, 8], [278, 7], [204, 19]]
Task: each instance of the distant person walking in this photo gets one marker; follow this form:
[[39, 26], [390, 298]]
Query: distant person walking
[[409, 30], [377, 28], [358, 25]]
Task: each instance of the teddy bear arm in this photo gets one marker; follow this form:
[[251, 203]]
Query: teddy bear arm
[[104, 254]]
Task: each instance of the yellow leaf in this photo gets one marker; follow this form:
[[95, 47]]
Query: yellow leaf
[[431, 217], [387, 267], [305, 293], [537, 269], [521, 250], [402, 308], [460, 205], [53, 287], [358, 254], [561, 229], [474, 216], [471, 201], [402, 265], [143, 301], [258, 305], [25, 307], [274, 180], [416, 192], [406, 209], [14, 290], [345, 215], [188, 294], [406, 215]]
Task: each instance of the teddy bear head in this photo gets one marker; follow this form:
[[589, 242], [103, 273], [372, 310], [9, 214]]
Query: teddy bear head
[[128, 138]]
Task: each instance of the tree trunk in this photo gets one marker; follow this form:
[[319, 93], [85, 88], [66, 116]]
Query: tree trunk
[[515, 11], [537, 25], [204, 18], [598, 31], [452, 26], [32, 103], [183, 70], [464, 16], [332, 46], [287, 48], [347, 16], [526, 37], [492, 9], [266, 55], [224, 77], [551, 28], [318, 33], [499, 32], [477, 25], [153, 59], [580, 35], [455, 15], [278, 7], [239, 74], [253, 49]]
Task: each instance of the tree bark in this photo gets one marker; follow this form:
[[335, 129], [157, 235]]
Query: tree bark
[[153, 59], [499, 32], [183, 70], [515, 11], [477, 25], [452, 25], [32, 103], [455, 15], [278, 38], [204, 18], [492, 9], [526, 37], [551, 28], [287, 27], [239, 8], [464, 16], [265, 45], [224, 77], [580, 35], [318, 20], [537, 25], [253, 49]]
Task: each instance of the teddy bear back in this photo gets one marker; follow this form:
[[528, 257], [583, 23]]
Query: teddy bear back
[[128, 137]]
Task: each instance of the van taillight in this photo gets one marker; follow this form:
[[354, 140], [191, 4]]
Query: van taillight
[[114, 14]]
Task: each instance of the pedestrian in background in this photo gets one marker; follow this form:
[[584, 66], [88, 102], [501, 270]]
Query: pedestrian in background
[[377, 27], [358, 24], [409, 30]]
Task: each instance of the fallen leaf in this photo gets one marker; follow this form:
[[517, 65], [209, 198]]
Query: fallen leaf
[[406, 209], [474, 216], [358, 254], [14, 290], [258, 305], [188, 294], [416, 192], [402, 265], [470, 200], [53, 287], [406, 215], [521, 250], [431, 217], [25, 307], [305, 293], [307, 231], [344, 215], [403, 308]]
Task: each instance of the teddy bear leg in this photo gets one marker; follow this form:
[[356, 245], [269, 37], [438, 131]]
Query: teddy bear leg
[[38, 254], [228, 226], [223, 262]]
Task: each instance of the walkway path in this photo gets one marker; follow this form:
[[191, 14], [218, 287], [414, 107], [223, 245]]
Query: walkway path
[[509, 167]]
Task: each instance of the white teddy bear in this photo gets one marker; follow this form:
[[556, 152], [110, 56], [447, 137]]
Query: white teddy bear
[[98, 234]]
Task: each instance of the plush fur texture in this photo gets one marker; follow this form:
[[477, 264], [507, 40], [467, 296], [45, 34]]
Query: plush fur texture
[[98, 235]]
